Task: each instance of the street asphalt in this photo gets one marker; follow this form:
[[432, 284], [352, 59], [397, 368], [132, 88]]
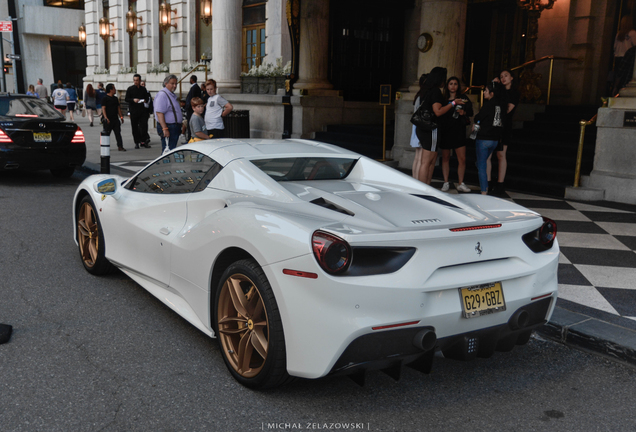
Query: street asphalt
[[579, 320]]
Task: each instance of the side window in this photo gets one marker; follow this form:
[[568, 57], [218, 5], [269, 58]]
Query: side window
[[179, 172]]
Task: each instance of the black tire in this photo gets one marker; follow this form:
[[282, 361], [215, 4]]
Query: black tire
[[90, 239], [255, 322], [65, 172]]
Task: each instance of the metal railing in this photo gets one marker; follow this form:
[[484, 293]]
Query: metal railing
[[579, 154], [481, 93], [552, 59], [196, 68]]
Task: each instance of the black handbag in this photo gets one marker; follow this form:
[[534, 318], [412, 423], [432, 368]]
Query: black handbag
[[424, 118]]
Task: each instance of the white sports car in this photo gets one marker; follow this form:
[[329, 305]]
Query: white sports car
[[306, 260]]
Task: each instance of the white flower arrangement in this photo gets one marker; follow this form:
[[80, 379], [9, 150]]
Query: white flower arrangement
[[189, 66], [128, 70], [269, 69], [99, 71], [162, 67]]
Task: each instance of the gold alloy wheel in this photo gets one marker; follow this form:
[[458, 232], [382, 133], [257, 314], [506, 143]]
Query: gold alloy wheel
[[88, 234], [243, 326]]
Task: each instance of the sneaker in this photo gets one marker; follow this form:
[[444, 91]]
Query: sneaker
[[463, 188], [446, 187], [136, 146]]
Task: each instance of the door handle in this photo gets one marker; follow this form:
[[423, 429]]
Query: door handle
[[165, 230]]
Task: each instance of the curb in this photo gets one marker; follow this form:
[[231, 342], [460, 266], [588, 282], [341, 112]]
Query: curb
[[591, 334]]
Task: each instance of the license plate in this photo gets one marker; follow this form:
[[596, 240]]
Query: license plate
[[42, 136], [478, 300]]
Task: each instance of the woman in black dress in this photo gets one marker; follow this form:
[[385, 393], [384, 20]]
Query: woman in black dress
[[512, 100], [431, 95], [454, 134]]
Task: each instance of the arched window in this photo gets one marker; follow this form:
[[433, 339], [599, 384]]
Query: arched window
[[253, 33]]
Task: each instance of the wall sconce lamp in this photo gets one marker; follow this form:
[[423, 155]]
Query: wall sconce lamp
[[206, 11], [131, 22], [165, 17], [104, 29], [82, 35]]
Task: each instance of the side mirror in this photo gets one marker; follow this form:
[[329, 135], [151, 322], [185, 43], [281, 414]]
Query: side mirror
[[106, 187]]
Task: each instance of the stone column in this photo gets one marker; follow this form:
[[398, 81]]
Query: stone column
[[144, 41], [445, 21], [226, 44], [314, 49], [273, 30], [115, 14], [93, 53], [179, 36], [410, 64]]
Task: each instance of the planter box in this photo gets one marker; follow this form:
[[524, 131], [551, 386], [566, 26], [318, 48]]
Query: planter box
[[261, 85]]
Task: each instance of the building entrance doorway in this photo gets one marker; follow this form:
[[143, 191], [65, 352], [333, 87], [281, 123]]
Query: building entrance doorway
[[495, 39], [69, 63], [366, 46]]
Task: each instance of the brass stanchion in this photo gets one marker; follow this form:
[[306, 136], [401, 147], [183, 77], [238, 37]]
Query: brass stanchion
[[579, 154]]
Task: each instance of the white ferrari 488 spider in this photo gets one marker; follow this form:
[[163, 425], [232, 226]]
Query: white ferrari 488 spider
[[305, 259]]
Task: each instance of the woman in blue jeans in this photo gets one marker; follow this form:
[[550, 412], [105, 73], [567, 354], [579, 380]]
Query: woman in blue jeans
[[490, 121]]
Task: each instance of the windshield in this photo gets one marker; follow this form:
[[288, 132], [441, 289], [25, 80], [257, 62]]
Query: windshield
[[27, 107], [306, 168]]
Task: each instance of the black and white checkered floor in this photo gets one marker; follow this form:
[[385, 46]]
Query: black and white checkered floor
[[597, 266]]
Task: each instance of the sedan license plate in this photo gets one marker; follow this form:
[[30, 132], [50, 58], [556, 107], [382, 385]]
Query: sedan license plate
[[42, 137], [478, 300]]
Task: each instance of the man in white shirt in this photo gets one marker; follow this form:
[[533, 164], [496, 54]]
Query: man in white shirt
[[216, 108]]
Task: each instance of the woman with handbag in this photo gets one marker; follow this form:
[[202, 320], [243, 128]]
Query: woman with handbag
[[431, 105], [454, 133]]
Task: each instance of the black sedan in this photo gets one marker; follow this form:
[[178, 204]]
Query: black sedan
[[35, 136]]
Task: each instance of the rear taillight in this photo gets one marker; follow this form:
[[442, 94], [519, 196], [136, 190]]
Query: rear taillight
[[79, 137], [4, 138], [547, 232], [332, 253], [541, 239]]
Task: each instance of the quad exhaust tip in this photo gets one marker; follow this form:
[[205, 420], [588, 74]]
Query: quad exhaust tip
[[519, 320], [425, 340]]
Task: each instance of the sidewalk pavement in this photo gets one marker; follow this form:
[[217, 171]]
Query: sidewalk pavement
[[596, 308], [132, 158]]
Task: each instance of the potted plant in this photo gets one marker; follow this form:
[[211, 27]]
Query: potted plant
[[266, 78]]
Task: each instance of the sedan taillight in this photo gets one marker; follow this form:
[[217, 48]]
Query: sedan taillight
[[332, 253], [78, 138], [4, 138]]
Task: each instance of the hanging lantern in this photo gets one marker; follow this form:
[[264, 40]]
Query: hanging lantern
[[131, 22], [165, 17], [82, 35], [206, 11], [104, 29]]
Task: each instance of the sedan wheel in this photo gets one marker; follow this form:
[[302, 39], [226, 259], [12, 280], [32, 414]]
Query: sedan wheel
[[91, 239], [249, 327]]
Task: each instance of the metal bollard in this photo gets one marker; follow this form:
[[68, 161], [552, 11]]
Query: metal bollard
[[104, 144]]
